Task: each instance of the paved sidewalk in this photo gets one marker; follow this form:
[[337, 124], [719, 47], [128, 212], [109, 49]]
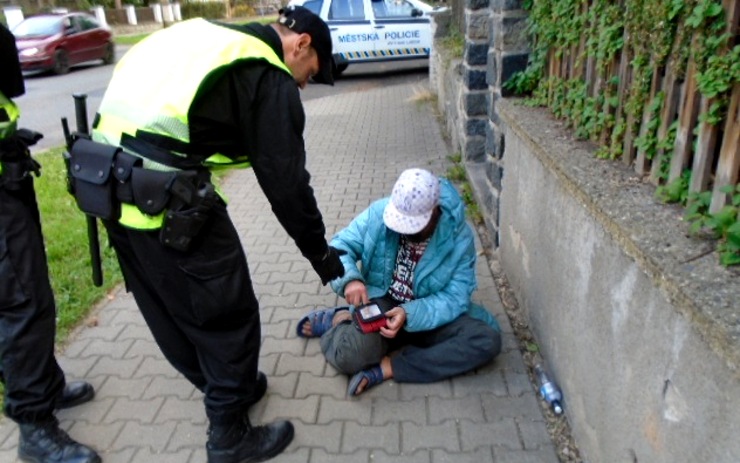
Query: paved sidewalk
[[145, 412]]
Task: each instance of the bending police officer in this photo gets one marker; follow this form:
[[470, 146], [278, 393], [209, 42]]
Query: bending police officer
[[34, 382], [189, 99]]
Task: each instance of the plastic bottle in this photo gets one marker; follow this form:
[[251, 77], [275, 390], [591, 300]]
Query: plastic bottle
[[549, 390]]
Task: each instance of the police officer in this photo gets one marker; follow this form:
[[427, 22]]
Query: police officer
[[34, 383], [191, 98]]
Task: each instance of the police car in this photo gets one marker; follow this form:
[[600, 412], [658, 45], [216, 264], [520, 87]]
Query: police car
[[364, 31]]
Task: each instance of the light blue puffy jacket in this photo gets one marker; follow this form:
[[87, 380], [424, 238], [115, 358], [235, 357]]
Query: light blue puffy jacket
[[444, 278]]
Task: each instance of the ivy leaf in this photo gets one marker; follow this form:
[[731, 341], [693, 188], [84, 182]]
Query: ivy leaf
[[733, 235], [714, 9]]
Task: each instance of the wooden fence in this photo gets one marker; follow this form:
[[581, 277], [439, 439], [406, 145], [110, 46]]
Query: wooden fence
[[680, 119]]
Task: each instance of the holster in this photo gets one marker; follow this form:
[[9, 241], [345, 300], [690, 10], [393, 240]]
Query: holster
[[190, 208], [17, 163]]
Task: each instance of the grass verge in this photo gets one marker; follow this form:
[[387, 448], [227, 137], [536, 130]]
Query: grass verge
[[65, 236]]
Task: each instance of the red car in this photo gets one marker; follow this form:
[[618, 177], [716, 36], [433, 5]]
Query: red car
[[57, 42]]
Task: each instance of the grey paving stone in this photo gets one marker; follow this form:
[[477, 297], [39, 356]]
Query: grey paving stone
[[188, 435], [96, 436], [439, 389], [283, 385], [468, 408], [484, 381], [332, 409], [175, 409], [92, 412], [371, 437], [146, 454], [504, 455], [326, 437], [417, 437], [309, 384], [479, 455], [164, 386], [420, 456], [359, 456], [105, 348], [525, 406], [499, 433], [123, 387], [150, 437], [386, 411], [141, 411], [534, 434], [305, 410], [293, 361]]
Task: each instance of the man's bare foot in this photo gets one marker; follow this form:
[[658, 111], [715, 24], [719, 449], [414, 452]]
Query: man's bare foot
[[339, 317]]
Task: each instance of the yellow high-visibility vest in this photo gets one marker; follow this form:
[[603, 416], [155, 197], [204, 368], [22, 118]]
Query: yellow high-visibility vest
[[153, 88], [9, 120]]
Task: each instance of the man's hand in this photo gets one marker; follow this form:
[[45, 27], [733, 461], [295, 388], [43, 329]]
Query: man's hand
[[355, 293], [329, 266], [395, 319]]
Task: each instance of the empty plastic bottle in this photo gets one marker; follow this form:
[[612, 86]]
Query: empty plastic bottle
[[549, 390]]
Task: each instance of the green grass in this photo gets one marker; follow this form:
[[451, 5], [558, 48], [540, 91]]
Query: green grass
[[129, 39], [65, 236]]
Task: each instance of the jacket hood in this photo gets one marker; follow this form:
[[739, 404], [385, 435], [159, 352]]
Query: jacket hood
[[453, 208]]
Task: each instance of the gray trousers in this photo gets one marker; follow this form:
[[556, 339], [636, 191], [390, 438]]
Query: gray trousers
[[419, 357]]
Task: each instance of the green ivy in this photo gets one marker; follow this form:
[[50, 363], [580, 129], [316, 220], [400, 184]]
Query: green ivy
[[660, 37], [724, 224]]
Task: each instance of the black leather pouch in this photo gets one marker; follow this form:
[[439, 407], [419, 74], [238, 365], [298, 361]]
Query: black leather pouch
[[90, 165]]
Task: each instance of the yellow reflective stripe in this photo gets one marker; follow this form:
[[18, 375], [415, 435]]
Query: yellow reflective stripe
[[219, 160], [132, 217], [8, 128]]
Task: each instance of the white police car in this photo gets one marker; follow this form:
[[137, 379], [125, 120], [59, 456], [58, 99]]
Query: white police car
[[374, 30]]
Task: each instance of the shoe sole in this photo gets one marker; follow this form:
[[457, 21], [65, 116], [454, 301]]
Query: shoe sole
[[275, 452]]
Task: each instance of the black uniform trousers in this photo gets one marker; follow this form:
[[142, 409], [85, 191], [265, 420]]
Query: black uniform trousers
[[200, 307], [28, 368]]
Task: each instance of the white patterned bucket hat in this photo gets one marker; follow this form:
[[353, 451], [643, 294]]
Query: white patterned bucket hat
[[414, 197]]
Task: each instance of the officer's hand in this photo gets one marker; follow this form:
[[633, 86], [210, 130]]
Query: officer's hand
[[329, 266]]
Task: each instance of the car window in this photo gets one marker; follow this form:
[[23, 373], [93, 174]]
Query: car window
[[314, 6], [87, 23], [347, 9], [70, 25], [392, 8], [38, 27]]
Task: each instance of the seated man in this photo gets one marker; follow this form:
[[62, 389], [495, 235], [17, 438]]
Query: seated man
[[417, 257]]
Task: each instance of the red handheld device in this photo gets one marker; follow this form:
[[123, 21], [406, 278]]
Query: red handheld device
[[369, 318]]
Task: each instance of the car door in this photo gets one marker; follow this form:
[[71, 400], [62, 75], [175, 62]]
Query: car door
[[404, 32], [93, 36], [352, 32], [73, 42]]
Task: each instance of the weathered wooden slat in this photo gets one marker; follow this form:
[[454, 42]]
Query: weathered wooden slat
[[671, 88], [728, 167], [701, 167], [689, 111], [709, 134], [642, 163], [611, 71]]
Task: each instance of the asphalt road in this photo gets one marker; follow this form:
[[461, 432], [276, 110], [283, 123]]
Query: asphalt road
[[49, 98]]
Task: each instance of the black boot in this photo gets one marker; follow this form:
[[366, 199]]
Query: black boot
[[260, 388], [240, 442], [47, 443], [75, 393]]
